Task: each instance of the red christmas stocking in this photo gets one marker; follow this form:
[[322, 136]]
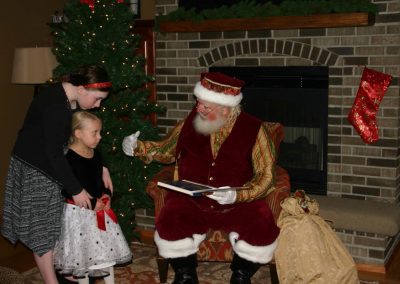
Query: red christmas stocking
[[370, 93]]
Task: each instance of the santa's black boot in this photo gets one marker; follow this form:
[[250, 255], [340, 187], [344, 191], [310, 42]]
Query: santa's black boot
[[242, 270], [185, 269]]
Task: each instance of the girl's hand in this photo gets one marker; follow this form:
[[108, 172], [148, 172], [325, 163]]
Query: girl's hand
[[82, 199], [107, 179], [107, 204], [99, 205]]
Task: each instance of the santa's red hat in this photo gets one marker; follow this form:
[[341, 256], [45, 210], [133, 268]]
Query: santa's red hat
[[218, 88]]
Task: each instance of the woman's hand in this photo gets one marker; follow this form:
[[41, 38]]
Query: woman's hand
[[82, 199], [107, 179]]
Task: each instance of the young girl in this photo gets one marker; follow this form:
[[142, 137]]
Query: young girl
[[38, 168], [91, 241]]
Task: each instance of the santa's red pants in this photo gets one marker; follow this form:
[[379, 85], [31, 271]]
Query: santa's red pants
[[182, 217]]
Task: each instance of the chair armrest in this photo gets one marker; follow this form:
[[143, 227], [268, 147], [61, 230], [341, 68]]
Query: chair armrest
[[281, 191], [276, 133], [157, 193]]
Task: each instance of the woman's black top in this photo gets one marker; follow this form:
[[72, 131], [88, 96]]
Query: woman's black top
[[44, 136]]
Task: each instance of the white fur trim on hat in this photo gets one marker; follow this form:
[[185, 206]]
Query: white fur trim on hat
[[179, 248], [258, 254], [213, 97]]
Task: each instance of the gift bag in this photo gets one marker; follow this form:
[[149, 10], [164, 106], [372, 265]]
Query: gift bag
[[308, 250]]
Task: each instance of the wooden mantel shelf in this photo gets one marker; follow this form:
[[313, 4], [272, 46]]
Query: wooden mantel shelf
[[273, 22]]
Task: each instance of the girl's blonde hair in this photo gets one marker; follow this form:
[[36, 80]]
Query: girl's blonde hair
[[78, 120]]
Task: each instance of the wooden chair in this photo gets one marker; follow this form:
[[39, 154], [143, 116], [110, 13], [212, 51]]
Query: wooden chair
[[216, 246]]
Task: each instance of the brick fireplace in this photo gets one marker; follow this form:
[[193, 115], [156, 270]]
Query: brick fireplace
[[354, 169]]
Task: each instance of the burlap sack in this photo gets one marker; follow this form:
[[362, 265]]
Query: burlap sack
[[309, 251]]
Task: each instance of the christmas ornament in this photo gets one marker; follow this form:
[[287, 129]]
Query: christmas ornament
[[90, 3], [56, 18], [370, 93]]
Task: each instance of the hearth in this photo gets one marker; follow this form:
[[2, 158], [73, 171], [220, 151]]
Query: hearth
[[297, 97]]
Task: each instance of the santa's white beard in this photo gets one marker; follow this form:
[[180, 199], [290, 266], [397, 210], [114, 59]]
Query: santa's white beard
[[206, 127]]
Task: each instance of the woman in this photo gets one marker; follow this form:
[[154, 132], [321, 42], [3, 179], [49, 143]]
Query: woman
[[38, 169]]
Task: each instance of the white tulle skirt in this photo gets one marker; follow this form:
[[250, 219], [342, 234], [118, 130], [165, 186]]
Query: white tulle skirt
[[84, 248]]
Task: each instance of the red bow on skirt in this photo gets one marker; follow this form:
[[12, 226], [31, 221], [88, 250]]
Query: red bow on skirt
[[101, 214]]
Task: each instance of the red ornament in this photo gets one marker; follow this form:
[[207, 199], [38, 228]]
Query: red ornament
[[370, 93], [90, 3]]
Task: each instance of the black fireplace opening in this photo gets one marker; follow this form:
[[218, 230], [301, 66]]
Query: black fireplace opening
[[297, 97]]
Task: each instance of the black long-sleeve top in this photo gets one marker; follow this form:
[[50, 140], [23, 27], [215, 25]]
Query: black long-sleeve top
[[44, 136], [89, 172]]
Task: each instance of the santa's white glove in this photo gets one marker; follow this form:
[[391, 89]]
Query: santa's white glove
[[224, 196], [129, 143]]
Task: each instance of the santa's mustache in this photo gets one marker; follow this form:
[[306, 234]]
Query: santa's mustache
[[204, 126]]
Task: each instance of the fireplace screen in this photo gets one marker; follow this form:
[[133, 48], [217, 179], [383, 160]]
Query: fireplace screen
[[297, 97], [301, 148]]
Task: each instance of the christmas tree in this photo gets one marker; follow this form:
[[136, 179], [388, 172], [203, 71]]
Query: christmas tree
[[100, 32]]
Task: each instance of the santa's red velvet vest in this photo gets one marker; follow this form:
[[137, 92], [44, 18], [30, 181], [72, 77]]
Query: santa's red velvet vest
[[233, 164]]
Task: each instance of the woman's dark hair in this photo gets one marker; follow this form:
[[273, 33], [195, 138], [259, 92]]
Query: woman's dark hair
[[88, 74]]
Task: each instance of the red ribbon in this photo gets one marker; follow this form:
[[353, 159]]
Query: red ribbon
[[101, 217], [98, 85], [101, 214]]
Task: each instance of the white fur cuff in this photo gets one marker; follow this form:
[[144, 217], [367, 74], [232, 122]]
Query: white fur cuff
[[179, 248], [258, 254]]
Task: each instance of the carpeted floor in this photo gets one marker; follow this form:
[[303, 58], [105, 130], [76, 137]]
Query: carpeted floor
[[143, 270]]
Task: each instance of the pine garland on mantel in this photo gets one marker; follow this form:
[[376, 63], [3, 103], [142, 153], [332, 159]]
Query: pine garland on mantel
[[250, 9]]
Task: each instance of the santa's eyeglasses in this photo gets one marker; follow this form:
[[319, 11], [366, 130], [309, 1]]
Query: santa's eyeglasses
[[205, 109]]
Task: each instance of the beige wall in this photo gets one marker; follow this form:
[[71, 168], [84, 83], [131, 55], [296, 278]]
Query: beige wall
[[23, 24]]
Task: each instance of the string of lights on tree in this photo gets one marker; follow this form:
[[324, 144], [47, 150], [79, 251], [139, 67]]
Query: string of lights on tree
[[100, 32]]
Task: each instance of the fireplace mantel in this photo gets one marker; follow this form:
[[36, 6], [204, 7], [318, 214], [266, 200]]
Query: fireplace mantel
[[273, 22]]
